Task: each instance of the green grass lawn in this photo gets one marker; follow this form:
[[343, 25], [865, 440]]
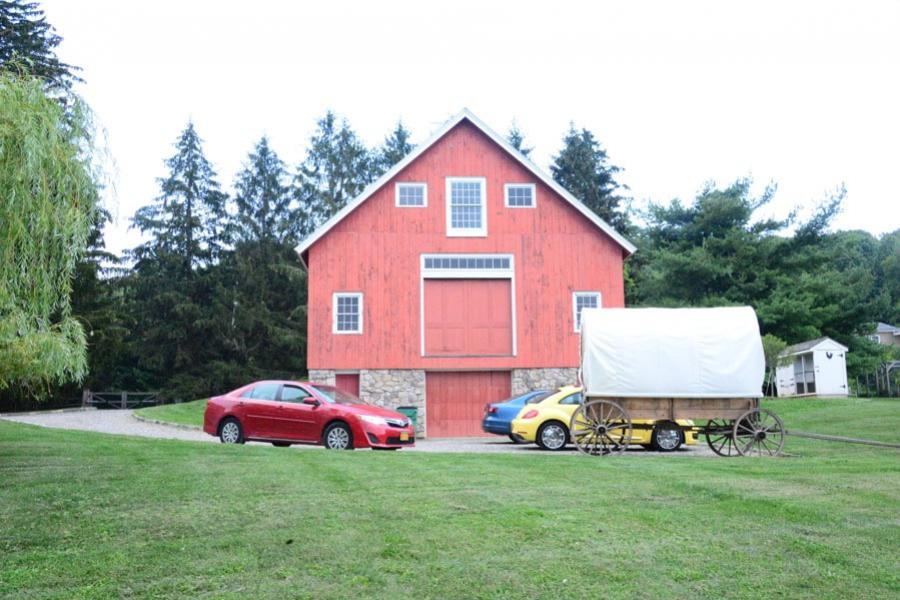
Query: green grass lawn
[[90, 515], [184, 413]]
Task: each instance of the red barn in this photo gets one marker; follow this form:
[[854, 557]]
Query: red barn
[[457, 279]]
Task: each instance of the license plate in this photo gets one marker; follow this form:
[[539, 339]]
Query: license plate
[[404, 437]]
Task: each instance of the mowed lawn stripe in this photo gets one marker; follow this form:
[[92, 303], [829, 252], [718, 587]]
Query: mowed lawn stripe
[[91, 515]]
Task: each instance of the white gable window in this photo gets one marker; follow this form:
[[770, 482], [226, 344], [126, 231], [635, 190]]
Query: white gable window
[[411, 194], [518, 195], [580, 301], [466, 206], [347, 308]]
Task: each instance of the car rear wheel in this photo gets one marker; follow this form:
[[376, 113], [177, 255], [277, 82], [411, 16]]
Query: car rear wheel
[[337, 436], [281, 444], [230, 432], [553, 435], [666, 437]]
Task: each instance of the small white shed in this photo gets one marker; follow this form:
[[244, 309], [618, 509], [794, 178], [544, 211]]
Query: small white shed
[[816, 368]]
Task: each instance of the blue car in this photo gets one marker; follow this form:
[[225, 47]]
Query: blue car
[[499, 415]]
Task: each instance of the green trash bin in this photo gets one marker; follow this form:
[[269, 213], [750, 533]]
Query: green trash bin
[[411, 412]]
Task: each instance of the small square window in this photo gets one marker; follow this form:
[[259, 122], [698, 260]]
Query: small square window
[[580, 301], [348, 313], [411, 194], [519, 195]]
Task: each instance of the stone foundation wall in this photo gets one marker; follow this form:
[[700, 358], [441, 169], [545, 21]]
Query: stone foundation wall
[[524, 380], [322, 376], [392, 388]]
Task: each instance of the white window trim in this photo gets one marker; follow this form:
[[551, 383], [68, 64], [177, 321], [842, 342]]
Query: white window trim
[[575, 295], [420, 184], [334, 312], [467, 231], [492, 273], [506, 188]]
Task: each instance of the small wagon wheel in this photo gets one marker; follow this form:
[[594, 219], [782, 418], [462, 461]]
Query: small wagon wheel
[[759, 432], [720, 437], [600, 427]]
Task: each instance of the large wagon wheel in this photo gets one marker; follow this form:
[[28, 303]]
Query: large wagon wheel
[[600, 427], [759, 432], [720, 437]]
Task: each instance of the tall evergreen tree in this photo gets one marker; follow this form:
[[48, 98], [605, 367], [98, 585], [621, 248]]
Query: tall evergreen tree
[[394, 149], [187, 219], [337, 168], [583, 168], [28, 42], [170, 289], [262, 197], [260, 289], [516, 139]]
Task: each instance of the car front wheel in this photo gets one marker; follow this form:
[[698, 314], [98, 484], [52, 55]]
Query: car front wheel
[[666, 438], [337, 436], [553, 436], [231, 432]]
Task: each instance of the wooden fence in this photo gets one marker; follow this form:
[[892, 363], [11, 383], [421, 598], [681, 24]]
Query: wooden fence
[[119, 399]]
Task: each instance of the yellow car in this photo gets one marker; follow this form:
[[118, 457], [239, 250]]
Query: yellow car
[[547, 424]]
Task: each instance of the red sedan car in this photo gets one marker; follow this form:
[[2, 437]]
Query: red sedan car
[[291, 412]]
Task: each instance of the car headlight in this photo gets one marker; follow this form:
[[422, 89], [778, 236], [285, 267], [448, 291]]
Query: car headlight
[[373, 419]]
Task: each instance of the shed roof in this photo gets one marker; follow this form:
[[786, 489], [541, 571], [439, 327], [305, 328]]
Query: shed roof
[[464, 115], [886, 328], [806, 346]]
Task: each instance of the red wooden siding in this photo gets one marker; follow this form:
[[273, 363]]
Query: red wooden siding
[[454, 401], [377, 249], [348, 382], [468, 317]]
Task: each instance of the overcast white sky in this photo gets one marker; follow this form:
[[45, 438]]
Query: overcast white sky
[[806, 94]]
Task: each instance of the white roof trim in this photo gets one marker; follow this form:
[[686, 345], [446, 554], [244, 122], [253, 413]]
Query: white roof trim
[[421, 148]]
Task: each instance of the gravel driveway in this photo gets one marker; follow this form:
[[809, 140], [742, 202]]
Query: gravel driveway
[[123, 422]]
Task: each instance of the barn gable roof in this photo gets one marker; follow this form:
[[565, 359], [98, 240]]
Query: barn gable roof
[[464, 115]]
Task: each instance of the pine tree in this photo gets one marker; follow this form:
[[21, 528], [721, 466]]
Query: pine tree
[[262, 197], [582, 167], [394, 149], [28, 43], [338, 166], [187, 219], [169, 293], [517, 140]]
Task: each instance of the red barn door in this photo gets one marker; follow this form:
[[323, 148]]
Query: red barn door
[[348, 382], [455, 401], [468, 317]]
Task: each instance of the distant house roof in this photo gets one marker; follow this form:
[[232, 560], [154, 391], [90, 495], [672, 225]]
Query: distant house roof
[[805, 346], [466, 115], [885, 328]]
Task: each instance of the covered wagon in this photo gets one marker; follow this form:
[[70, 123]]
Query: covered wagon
[[664, 365]]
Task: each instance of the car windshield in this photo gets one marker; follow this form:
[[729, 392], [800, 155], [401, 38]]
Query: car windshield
[[539, 398], [336, 396]]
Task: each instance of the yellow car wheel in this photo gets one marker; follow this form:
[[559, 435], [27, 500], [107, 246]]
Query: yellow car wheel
[[666, 437], [552, 435]]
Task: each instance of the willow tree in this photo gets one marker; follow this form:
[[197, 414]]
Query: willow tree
[[48, 194]]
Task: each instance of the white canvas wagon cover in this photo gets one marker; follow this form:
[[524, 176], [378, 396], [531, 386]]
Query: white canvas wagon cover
[[671, 352]]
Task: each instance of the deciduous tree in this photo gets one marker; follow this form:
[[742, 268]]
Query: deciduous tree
[[49, 192]]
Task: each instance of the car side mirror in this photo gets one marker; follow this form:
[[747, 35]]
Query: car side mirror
[[311, 401]]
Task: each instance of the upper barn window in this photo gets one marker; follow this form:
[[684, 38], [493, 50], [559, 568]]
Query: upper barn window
[[518, 195], [466, 206], [580, 301], [411, 194], [347, 310]]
